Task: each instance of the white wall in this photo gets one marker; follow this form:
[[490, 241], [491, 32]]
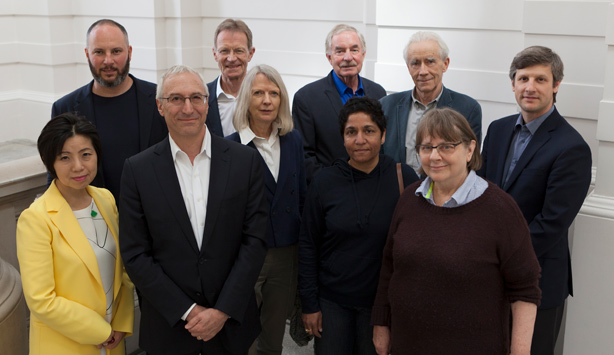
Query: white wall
[[42, 57]]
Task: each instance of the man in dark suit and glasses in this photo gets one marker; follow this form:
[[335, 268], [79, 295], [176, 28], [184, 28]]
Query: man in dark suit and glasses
[[192, 230]]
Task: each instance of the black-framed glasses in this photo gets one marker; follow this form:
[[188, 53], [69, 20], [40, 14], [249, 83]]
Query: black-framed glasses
[[443, 148], [195, 99]]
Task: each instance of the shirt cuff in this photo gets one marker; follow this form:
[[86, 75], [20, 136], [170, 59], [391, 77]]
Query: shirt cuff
[[185, 315]]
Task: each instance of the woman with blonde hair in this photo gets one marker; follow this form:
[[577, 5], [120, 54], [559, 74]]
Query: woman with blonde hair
[[263, 121]]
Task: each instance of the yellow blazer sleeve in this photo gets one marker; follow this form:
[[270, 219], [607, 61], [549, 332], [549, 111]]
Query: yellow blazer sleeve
[[123, 320], [36, 253]]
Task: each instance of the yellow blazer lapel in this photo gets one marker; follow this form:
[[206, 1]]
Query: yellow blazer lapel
[[108, 210], [65, 221]]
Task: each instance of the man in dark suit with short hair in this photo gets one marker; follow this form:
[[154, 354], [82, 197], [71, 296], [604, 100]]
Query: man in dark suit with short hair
[[316, 106], [122, 107], [545, 164], [192, 230]]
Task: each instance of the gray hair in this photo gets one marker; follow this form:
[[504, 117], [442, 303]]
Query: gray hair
[[343, 28], [174, 70], [421, 36], [240, 120], [233, 25]]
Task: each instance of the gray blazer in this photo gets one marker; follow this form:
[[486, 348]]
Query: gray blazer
[[396, 109]]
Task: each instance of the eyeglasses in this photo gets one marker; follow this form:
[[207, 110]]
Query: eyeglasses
[[178, 100], [442, 149]]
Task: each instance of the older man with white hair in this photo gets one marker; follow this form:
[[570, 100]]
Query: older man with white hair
[[426, 56], [316, 106]]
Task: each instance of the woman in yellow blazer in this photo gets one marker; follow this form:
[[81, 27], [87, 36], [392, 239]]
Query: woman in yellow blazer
[[80, 298]]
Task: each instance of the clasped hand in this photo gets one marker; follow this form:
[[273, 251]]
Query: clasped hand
[[205, 323], [112, 340]]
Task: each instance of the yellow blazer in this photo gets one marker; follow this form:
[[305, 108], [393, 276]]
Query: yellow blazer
[[61, 280]]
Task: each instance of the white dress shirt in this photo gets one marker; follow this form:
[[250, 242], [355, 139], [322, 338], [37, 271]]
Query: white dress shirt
[[269, 149], [194, 183], [226, 104]]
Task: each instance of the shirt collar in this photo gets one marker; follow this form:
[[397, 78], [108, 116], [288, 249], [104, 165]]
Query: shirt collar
[[205, 147], [459, 197], [342, 88], [534, 125], [219, 90], [414, 100], [247, 135]]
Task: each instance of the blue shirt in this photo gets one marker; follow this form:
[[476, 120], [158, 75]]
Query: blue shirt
[[346, 92], [523, 133], [472, 188]]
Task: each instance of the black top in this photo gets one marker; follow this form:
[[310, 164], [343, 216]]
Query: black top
[[343, 232]]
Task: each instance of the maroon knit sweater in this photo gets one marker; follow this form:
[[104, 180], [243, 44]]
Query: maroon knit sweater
[[449, 275]]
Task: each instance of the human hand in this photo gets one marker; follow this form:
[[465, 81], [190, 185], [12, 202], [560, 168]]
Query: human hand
[[106, 342], [313, 323], [381, 339], [115, 339], [205, 323]]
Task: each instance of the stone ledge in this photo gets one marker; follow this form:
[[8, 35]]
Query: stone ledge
[[21, 168]]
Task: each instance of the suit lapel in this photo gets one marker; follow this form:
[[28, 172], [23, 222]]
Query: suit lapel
[[269, 180], [65, 221], [541, 137], [285, 166], [503, 147], [146, 113], [402, 118], [333, 95], [214, 121], [170, 188], [84, 105], [220, 163]]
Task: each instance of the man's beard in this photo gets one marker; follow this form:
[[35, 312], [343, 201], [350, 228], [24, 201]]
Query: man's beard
[[121, 75]]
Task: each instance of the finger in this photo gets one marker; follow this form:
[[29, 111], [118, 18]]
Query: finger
[[192, 323]]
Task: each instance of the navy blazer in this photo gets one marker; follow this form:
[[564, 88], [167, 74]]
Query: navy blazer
[[152, 127], [287, 195], [214, 123], [162, 257], [315, 111], [396, 109], [549, 183]]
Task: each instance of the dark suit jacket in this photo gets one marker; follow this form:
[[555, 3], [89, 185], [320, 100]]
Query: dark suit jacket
[[396, 109], [287, 195], [152, 127], [162, 258], [214, 122], [549, 183], [315, 111]]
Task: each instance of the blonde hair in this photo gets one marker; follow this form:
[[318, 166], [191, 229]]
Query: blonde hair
[[240, 120]]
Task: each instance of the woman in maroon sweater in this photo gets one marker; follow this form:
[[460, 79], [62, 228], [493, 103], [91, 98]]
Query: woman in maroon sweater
[[458, 260]]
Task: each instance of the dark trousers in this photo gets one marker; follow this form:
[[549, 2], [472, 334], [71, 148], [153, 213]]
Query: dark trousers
[[345, 330], [546, 331]]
